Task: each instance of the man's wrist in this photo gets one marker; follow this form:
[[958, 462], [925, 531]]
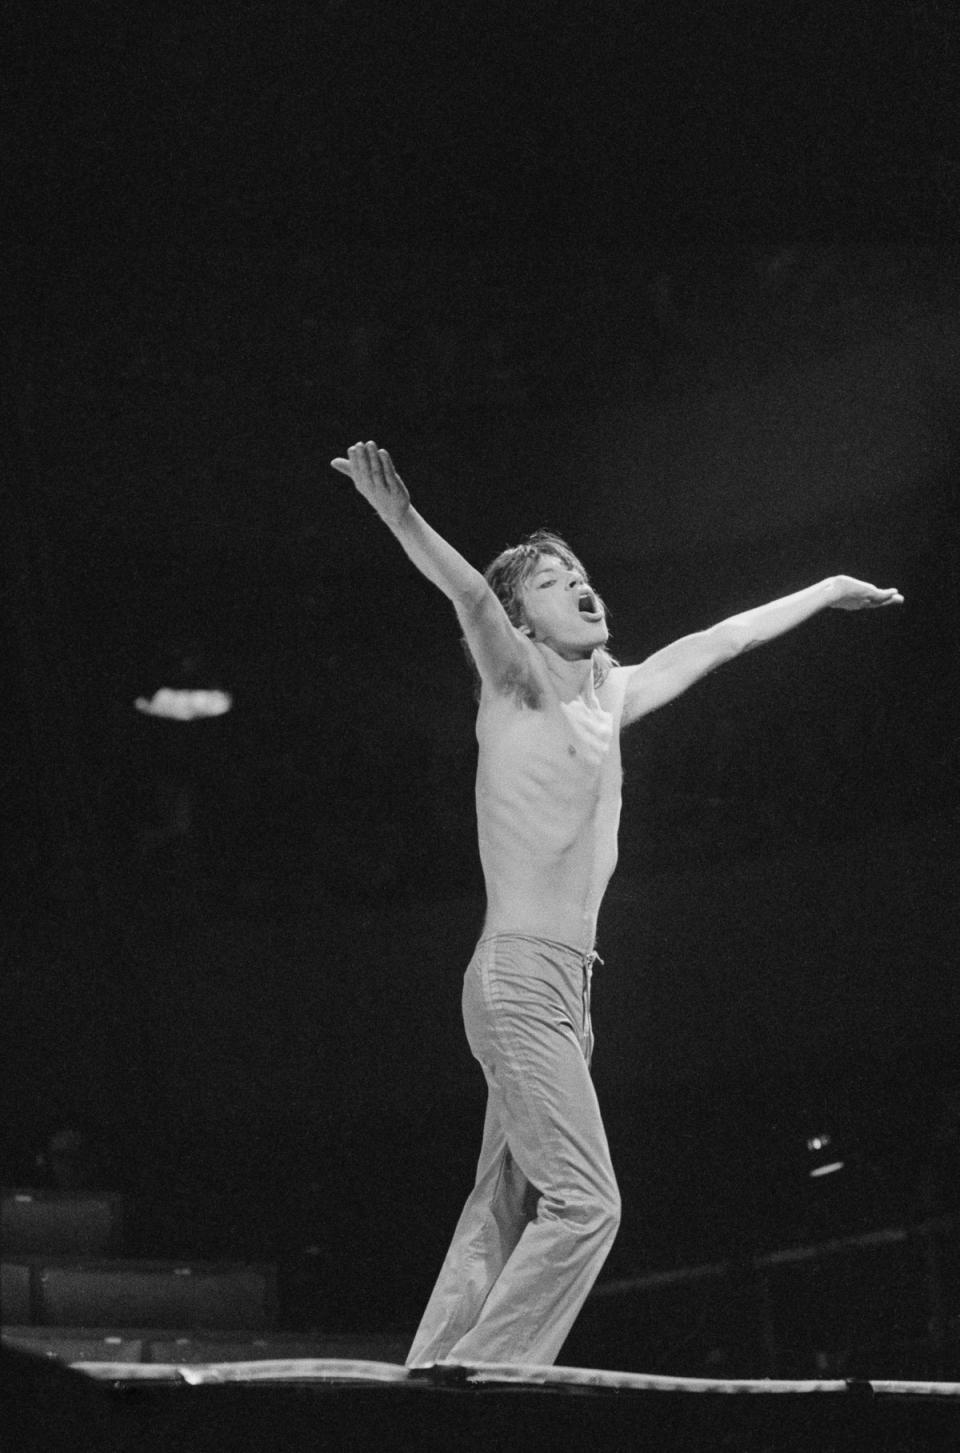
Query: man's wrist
[[396, 518]]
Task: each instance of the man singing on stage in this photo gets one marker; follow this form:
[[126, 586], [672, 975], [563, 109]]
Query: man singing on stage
[[545, 1208]]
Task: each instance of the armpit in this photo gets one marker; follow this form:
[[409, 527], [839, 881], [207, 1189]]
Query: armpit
[[519, 682]]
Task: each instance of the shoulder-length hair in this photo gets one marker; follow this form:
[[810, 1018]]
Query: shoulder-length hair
[[506, 576]]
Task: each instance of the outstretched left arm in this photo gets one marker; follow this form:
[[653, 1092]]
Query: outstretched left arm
[[669, 672]]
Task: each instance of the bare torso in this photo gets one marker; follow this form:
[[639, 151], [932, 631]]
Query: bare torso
[[548, 810]]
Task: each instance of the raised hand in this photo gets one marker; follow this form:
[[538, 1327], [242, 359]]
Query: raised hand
[[375, 477], [858, 595]]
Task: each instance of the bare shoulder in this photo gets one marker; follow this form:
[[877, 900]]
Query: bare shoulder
[[503, 656], [612, 691]]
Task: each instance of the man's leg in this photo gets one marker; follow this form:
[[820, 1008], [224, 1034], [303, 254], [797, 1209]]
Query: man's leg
[[496, 1211], [533, 1044]]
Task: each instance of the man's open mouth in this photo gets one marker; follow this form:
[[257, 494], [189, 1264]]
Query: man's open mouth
[[587, 605]]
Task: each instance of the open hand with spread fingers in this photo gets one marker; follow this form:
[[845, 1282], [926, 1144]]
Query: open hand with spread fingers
[[858, 595], [372, 471]]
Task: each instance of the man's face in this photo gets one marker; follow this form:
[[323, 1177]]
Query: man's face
[[561, 610]]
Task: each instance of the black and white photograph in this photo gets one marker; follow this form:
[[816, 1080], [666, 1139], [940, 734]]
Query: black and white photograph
[[481, 726]]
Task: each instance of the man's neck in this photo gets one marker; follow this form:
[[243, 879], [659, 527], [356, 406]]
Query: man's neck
[[570, 678]]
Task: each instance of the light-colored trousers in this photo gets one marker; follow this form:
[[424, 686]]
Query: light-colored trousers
[[544, 1211]]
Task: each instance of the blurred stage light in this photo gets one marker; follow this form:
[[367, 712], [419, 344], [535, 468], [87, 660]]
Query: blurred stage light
[[184, 705], [823, 1158]]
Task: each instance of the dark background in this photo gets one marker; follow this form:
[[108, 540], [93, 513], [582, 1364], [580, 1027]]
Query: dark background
[[680, 281]]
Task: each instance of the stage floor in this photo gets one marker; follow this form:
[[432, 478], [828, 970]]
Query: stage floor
[[333, 1404]]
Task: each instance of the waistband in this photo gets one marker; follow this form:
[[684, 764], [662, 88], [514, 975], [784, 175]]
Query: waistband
[[587, 958]]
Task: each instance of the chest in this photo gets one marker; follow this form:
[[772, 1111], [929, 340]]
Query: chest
[[569, 746]]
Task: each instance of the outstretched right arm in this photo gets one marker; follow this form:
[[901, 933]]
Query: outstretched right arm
[[499, 650]]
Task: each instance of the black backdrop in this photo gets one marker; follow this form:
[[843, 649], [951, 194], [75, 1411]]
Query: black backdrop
[[687, 292]]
